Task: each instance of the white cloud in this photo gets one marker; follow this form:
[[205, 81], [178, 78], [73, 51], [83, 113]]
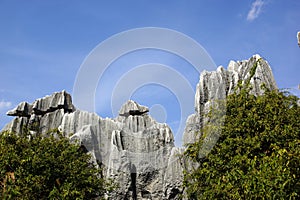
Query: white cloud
[[255, 10], [5, 105]]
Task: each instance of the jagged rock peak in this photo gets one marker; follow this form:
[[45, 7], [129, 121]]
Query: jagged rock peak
[[58, 100], [220, 83], [24, 109], [49, 103], [132, 108], [42, 115], [262, 75], [217, 85]]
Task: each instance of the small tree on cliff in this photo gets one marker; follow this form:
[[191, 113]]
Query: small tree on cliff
[[257, 155], [46, 168]]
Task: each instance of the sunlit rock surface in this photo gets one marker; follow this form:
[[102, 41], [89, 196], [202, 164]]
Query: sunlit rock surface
[[216, 85]]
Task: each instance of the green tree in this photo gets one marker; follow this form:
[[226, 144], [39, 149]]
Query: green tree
[[257, 155], [48, 167]]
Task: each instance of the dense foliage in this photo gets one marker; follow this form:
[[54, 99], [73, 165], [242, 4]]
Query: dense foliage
[[38, 167], [257, 155]]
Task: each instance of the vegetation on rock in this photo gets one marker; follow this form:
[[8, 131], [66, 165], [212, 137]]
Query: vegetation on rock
[[257, 155]]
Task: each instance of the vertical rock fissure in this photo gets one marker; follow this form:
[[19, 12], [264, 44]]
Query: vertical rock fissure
[[133, 181]]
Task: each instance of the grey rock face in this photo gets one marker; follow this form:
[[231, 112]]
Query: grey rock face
[[135, 150], [173, 176], [218, 84], [140, 150], [90, 130], [132, 108], [16, 125], [193, 125], [58, 100], [42, 115], [24, 109]]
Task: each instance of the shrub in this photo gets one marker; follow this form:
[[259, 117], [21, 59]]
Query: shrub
[[48, 167], [257, 155]]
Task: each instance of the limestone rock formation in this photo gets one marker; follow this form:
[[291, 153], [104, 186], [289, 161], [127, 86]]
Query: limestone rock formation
[[140, 149], [137, 152], [132, 108], [24, 109], [216, 85], [43, 115]]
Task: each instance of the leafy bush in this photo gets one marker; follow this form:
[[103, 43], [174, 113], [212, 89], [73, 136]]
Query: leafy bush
[[257, 155], [38, 167]]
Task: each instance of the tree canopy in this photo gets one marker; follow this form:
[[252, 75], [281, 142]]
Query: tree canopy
[[257, 155], [36, 167]]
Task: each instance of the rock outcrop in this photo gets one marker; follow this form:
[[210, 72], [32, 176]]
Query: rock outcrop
[[43, 115], [137, 152], [216, 85]]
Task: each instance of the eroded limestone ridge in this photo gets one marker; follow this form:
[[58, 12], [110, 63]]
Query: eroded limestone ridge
[[137, 152], [216, 85], [42, 115]]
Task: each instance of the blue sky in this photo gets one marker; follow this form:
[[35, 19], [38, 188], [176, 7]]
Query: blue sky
[[44, 43]]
